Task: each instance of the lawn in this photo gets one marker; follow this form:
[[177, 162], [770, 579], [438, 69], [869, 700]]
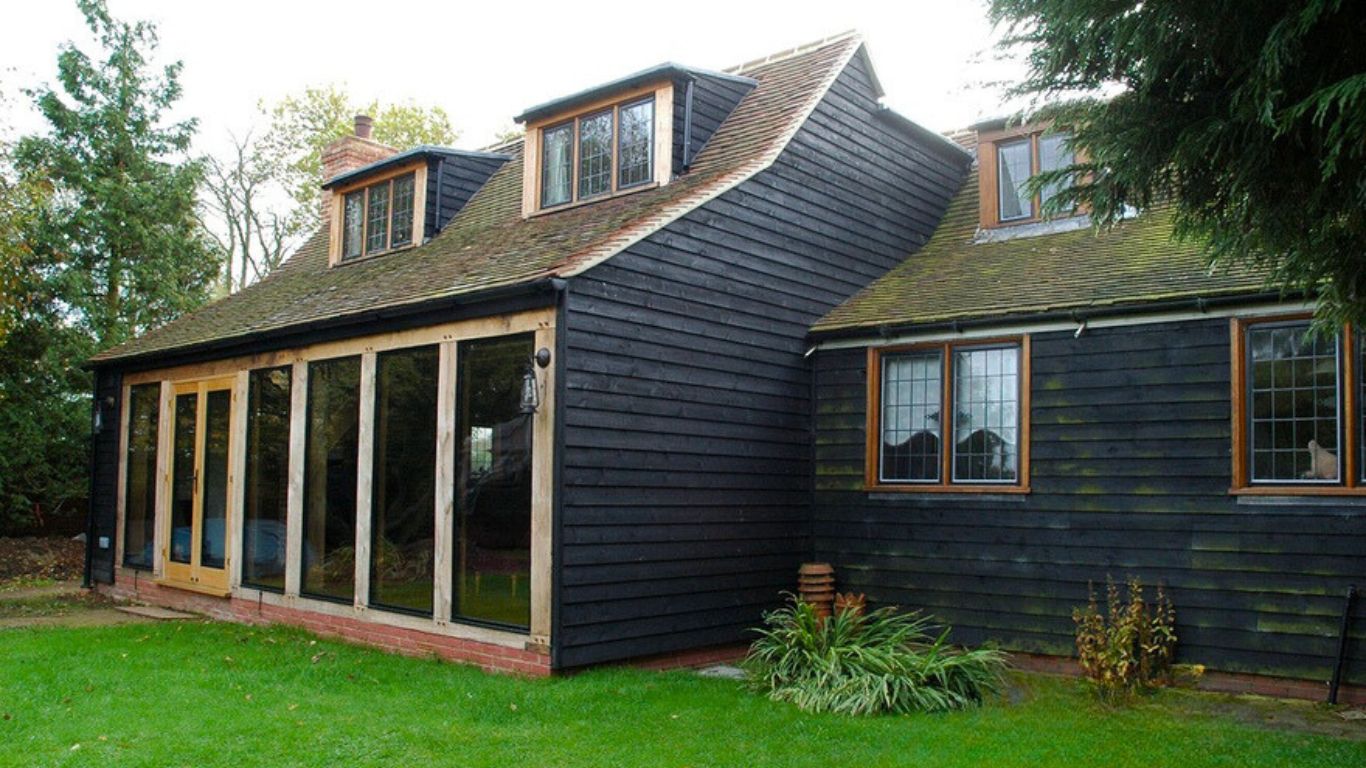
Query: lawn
[[203, 693]]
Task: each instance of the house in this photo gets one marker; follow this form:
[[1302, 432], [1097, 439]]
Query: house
[[595, 394], [1026, 407], [538, 407]]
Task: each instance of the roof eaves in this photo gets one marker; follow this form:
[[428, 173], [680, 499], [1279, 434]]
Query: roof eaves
[[937, 140], [408, 155], [667, 70]]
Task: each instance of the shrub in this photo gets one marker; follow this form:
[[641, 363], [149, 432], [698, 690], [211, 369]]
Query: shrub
[[867, 663], [1129, 647]]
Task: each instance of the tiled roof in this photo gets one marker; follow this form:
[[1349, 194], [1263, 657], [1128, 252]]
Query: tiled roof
[[490, 245], [954, 278]]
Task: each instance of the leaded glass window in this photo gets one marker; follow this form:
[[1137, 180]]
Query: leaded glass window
[[1013, 171], [402, 217], [595, 154], [635, 142], [1293, 404], [353, 224], [1054, 154], [377, 218], [557, 164], [912, 388], [986, 421]]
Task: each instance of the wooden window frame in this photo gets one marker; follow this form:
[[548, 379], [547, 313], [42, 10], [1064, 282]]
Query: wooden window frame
[[660, 150], [338, 204], [989, 186], [1349, 416], [872, 458]]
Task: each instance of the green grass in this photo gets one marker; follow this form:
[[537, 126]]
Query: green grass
[[203, 693]]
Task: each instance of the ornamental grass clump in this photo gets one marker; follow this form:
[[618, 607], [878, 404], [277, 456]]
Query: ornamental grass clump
[[867, 663]]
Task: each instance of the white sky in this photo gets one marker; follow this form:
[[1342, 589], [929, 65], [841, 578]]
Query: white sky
[[486, 62]]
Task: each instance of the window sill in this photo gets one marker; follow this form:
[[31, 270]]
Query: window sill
[[592, 200], [1296, 490], [954, 489], [375, 255]]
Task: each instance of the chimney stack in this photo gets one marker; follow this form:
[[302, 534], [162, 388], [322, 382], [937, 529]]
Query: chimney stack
[[349, 153], [364, 126]]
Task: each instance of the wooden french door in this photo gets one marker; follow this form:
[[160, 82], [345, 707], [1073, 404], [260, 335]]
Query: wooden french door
[[196, 553]]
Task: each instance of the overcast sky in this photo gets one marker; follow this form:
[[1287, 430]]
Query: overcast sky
[[485, 62]]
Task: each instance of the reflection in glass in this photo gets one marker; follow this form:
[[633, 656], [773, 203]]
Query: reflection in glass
[[403, 502], [182, 477], [986, 413], [635, 143], [493, 483], [911, 392], [139, 497], [329, 520], [1054, 153], [213, 521], [1012, 168], [265, 500], [557, 164], [1293, 403]]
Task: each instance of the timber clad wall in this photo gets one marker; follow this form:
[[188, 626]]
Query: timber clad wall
[[104, 485], [1130, 475], [713, 99], [686, 480], [459, 179]]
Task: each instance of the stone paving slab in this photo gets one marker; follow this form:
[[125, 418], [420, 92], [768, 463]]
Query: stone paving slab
[[154, 612]]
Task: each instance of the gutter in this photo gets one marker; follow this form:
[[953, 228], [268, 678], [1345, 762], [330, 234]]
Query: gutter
[[1080, 315], [158, 358]]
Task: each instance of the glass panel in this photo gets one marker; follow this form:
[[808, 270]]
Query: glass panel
[[329, 545], [404, 499], [1012, 168], [403, 210], [595, 154], [912, 387], [986, 408], [493, 483], [182, 477], [1293, 404], [267, 480], [140, 497], [353, 226], [557, 164], [1361, 404], [635, 143], [1053, 154], [213, 539], [377, 222]]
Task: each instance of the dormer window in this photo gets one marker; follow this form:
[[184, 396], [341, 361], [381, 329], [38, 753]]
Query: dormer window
[[1009, 159], [600, 153], [605, 148], [378, 215]]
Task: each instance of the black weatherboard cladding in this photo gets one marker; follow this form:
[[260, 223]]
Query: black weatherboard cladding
[[1131, 470], [686, 471], [104, 483], [451, 182], [713, 99]]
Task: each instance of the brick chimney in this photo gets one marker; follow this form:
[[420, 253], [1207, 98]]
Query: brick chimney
[[351, 152]]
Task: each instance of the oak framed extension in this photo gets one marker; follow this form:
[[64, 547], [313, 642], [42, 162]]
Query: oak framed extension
[[537, 326]]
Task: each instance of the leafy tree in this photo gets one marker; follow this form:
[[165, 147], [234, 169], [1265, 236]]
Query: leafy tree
[[1248, 116], [98, 242], [301, 126]]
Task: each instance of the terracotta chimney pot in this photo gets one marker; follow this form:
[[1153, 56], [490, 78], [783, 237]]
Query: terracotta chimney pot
[[365, 125]]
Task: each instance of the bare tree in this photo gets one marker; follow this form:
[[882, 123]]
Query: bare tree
[[241, 215]]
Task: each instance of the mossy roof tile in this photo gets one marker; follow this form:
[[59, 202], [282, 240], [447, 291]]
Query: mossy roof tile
[[956, 278]]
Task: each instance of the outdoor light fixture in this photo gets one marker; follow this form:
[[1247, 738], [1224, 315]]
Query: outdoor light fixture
[[531, 389], [102, 405]]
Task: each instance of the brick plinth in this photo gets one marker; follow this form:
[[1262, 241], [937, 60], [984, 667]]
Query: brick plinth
[[1214, 681], [411, 642]]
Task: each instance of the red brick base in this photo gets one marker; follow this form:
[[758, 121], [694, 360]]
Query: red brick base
[[700, 657], [1218, 682], [412, 642]]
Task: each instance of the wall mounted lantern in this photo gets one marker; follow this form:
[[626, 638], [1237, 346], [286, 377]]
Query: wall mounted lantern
[[531, 387]]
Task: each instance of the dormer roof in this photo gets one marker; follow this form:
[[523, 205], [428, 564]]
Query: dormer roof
[[655, 74], [490, 248], [423, 152]]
